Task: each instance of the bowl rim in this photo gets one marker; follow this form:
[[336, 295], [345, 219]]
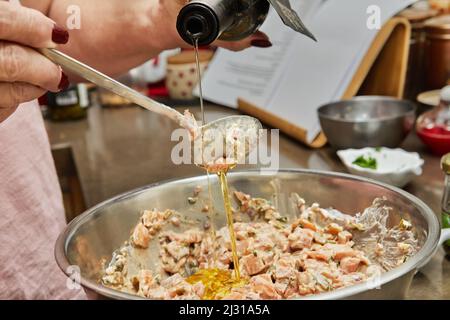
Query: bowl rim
[[414, 263], [411, 104], [433, 135], [418, 161]]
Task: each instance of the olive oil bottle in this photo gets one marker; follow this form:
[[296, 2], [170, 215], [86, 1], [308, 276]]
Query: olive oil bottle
[[69, 104], [445, 165], [232, 20]]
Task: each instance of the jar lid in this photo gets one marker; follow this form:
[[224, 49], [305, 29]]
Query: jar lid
[[445, 163], [445, 94], [416, 15], [438, 25]]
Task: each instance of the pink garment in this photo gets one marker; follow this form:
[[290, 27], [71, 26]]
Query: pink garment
[[31, 211]]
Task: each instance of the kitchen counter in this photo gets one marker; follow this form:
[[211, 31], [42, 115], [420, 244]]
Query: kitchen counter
[[116, 150]]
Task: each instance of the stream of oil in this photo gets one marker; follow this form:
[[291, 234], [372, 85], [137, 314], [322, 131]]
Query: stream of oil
[[199, 78], [218, 283]]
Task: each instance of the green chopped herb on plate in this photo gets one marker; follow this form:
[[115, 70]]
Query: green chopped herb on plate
[[363, 162]]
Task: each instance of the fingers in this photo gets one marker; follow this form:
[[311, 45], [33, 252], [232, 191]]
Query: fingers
[[12, 94], [29, 27], [23, 64], [25, 74], [259, 35], [258, 39]]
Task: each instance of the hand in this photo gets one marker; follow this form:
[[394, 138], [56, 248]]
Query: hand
[[25, 74], [169, 10]]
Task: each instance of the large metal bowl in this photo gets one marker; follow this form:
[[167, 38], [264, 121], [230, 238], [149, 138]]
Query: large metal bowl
[[367, 121], [93, 236]]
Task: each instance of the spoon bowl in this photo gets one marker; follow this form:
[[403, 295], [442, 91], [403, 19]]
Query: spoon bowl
[[226, 142]]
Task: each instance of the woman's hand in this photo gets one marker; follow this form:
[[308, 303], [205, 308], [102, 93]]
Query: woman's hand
[[25, 74]]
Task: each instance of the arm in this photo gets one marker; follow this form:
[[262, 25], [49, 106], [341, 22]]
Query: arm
[[118, 35], [115, 35]]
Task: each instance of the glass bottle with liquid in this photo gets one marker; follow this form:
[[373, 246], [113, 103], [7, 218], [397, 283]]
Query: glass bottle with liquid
[[445, 165], [231, 20], [211, 19], [70, 104]]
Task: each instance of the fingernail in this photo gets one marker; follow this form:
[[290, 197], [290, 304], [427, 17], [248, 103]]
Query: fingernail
[[64, 83], [60, 35], [261, 43]]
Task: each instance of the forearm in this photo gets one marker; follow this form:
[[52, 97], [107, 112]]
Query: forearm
[[115, 35]]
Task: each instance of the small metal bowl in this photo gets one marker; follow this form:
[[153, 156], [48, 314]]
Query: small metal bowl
[[367, 121]]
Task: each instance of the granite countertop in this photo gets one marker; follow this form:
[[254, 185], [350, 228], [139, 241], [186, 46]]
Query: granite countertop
[[116, 150]]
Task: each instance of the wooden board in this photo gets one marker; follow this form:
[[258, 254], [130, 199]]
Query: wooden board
[[381, 72]]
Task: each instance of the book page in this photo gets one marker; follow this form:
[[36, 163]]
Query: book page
[[254, 73], [296, 76], [320, 72]]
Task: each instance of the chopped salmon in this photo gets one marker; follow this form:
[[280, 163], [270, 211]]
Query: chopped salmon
[[252, 264], [350, 264], [318, 251], [141, 237]]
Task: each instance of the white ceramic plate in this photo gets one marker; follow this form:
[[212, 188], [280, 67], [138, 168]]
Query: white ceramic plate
[[394, 166]]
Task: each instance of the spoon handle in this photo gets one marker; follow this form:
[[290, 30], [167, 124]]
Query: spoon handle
[[102, 80]]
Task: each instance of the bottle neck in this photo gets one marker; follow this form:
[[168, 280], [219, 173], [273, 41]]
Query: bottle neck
[[205, 20]]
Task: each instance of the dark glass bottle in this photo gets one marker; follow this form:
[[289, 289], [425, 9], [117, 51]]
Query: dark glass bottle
[[227, 19], [70, 104], [445, 165], [231, 20]]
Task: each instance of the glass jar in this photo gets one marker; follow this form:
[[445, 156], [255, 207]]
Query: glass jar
[[442, 6], [70, 104], [445, 165], [415, 71], [433, 127], [437, 52]]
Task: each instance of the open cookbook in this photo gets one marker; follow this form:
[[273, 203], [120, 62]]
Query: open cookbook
[[294, 77]]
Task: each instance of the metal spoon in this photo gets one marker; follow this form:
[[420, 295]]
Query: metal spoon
[[102, 80], [226, 142], [226, 127]]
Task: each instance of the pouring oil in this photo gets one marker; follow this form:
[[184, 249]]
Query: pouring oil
[[229, 212], [218, 283], [199, 77]]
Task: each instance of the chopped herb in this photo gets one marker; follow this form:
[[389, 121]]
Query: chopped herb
[[369, 162], [378, 149], [405, 224], [192, 200], [282, 219]]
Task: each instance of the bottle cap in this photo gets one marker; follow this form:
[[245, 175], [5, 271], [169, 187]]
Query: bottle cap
[[445, 163]]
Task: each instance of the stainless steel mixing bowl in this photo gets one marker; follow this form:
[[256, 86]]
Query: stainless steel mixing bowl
[[92, 237], [367, 121]]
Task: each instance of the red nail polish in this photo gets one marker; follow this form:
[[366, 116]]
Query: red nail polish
[[261, 43], [60, 35], [64, 83]]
